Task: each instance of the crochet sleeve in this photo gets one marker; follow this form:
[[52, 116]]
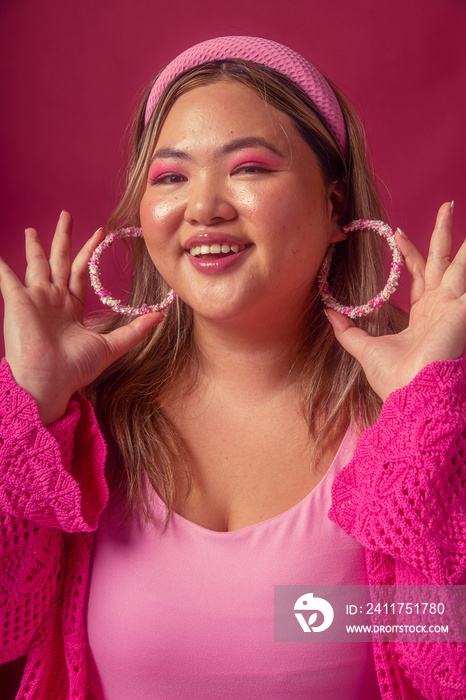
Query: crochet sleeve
[[51, 482], [403, 496], [404, 492], [50, 476]]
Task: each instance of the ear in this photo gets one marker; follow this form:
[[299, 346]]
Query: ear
[[337, 194]]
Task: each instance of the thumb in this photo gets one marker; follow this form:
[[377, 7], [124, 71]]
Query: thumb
[[127, 337], [353, 339]]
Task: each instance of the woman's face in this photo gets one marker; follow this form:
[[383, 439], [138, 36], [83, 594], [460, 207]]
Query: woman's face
[[235, 214]]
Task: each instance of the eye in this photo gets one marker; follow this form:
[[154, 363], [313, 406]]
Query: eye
[[167, 179], [251, 168]]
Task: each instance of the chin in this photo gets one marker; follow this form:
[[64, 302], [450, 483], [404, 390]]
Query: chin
[[220, 311]]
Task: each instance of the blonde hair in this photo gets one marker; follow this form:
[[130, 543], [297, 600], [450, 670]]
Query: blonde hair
[[144, 446]]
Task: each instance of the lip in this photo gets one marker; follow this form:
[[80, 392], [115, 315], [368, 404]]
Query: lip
[[216, 267], [212, 237]]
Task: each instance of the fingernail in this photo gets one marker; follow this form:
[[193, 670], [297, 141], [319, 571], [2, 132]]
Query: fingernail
[[61, 213], [452, 205], [101, 228], [402, 233]]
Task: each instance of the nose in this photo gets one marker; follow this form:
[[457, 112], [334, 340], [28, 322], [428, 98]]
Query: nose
[[208, 203]]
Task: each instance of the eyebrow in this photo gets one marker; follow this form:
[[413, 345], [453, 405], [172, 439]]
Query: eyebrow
[[170, 153], [236, 145], [247, 142]]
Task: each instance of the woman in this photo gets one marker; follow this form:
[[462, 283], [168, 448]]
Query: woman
[[223, 417]]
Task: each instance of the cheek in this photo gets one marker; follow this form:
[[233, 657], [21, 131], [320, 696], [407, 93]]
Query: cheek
[[265, 210], [247, 200], [159, 217]]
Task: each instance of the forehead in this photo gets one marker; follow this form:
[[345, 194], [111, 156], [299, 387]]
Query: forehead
[[225, 109]]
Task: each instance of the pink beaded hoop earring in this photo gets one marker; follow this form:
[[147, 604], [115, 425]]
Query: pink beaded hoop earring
[[386, 232], [104, 295]]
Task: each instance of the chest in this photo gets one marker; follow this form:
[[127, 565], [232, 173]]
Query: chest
[[193, 609], [249, 463]]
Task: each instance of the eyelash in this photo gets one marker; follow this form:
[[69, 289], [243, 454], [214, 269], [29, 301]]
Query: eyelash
[[248, 168], [161, 179], [251, 168]]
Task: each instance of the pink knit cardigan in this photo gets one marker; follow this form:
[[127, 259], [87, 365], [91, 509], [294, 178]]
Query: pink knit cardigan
[[403, 496]]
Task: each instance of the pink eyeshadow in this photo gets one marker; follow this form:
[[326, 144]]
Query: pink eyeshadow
[[163, 168], [268, 160]]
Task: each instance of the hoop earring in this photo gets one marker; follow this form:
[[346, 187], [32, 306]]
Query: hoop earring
[[104, 295], [386, 232]]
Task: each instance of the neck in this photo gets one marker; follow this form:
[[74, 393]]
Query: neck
[[256, 357]]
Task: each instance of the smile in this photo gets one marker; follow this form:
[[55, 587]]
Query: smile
[[218, 257], [215, 249]]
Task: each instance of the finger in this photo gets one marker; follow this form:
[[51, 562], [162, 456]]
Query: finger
[[79, 269], [439, 256], [415, 265], [9, 282], [455, 276], [127, 337], [38, 269], [353, 339], [60, 251]]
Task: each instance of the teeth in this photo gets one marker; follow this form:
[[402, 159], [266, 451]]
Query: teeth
[[215, 249]]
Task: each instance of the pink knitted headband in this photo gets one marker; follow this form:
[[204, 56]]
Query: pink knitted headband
[[267, 53]]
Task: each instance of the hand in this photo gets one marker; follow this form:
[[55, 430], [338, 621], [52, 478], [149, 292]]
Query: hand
[[50, 352], [437, 320]]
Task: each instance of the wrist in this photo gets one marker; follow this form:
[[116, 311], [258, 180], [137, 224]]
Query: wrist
[[47, 392]]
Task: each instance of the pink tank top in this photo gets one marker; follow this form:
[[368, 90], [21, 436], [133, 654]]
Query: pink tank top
[[190, 613]]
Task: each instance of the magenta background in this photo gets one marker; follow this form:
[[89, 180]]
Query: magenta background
[[70, 73]]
